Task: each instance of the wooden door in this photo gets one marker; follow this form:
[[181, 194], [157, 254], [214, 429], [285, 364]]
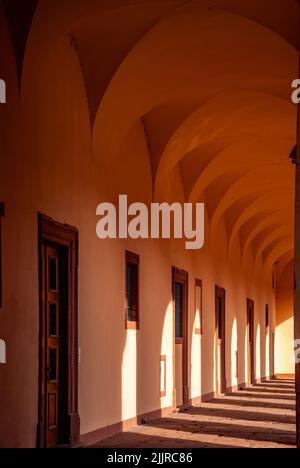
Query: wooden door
[[59, 422], [220, 341], [52, 344], [180, 350], [251, 342]]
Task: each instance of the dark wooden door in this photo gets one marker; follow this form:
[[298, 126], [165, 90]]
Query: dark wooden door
[[251, 342], [220, 341], [180, 361], [59, 422], [52, 343]]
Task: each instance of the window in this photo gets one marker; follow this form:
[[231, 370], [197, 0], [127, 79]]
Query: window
[[198, 307], [219, 318], [267, 318], [53, 274], [132, 291], [274, 280], [179, 310], [220, 313], [2, 213], [180, 305]]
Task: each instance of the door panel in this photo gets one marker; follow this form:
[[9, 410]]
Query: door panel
[[52, 411]]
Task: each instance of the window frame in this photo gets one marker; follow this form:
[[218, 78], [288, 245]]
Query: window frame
[[267, 318], [181, 277], [2, 215], [199, 284], [133, 259], [179, 339]]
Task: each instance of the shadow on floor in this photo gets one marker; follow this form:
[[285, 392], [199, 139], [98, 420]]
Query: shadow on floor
[[136, 440], [274, 384], [223, 422], [250, 393], [274, 391], [254, 404], [234, 431], [242, 415]]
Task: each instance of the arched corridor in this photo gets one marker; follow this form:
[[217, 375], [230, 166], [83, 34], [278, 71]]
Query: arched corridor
[[165, 101], [260, 417]]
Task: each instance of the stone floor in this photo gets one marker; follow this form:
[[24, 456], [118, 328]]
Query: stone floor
[[258, 417]]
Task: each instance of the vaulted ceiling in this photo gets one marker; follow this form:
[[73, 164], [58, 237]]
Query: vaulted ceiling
[[211, 83]]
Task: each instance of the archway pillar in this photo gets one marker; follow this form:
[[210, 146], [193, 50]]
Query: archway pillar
[[297, 274]]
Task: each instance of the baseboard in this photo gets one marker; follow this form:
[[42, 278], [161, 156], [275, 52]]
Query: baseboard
[[103, 433]]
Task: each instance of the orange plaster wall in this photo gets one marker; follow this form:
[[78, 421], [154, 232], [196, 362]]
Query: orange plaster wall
[[49, 167]]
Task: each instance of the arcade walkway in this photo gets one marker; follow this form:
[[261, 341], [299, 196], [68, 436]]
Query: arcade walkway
[[258, 417]]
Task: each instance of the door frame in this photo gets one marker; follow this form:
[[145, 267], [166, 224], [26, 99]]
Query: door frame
[[181, 276], [251, 334], [60, 235], [220, 293]]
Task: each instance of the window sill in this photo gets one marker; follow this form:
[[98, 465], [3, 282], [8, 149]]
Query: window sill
[[179, 341]]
